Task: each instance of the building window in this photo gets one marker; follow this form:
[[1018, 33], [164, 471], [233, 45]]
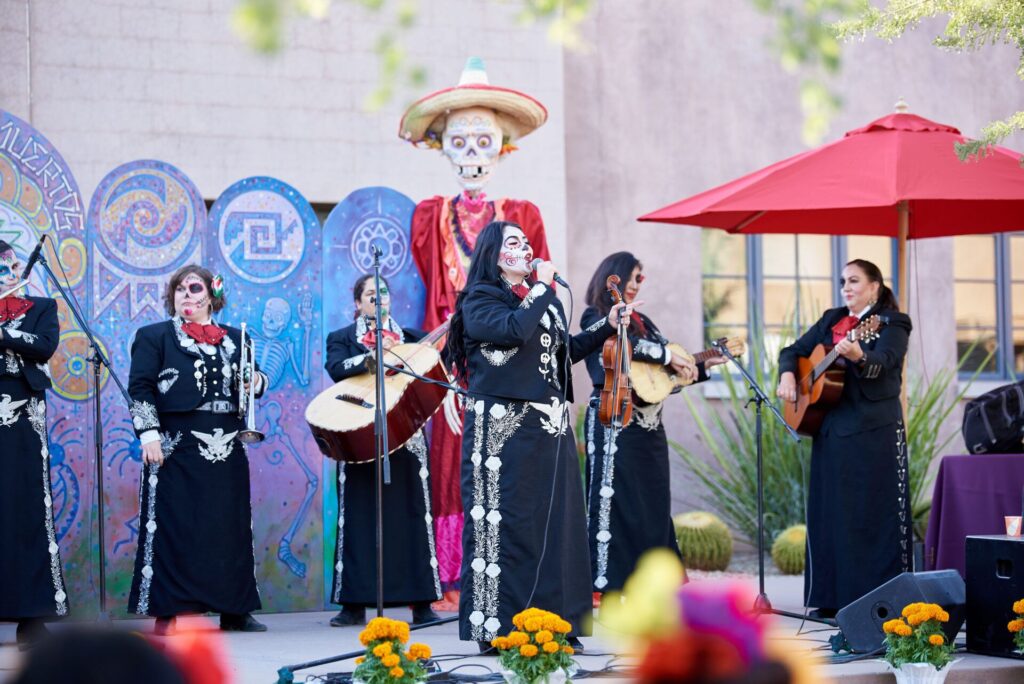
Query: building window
[[988, 273], [760, 286]]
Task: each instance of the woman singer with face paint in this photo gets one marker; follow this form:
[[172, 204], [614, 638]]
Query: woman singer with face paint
[[525, 539], [195, 551], [32, 585], [410, 564], [858, 506]]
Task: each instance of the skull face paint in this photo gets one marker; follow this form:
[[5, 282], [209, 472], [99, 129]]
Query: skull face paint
[[515, 255], [192, 299], [472, 142], [10, 271]]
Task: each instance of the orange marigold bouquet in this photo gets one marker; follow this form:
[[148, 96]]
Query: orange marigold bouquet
[[1016, 625], [537, 648], [916, 637], [386, 661]]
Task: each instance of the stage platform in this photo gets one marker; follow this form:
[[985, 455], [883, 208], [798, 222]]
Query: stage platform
[[300, 637]]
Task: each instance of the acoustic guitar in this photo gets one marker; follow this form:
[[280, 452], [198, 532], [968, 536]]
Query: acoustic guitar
[[654, 382], [341, 417], [820, 385]]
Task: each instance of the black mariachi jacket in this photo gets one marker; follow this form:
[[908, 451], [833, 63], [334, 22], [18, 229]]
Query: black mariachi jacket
[[28, 342], [172, 373], [652, 347], [517, 349], [346, 353], [871, 392]]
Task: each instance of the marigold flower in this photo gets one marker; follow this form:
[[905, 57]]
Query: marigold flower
[[419, 651], [568, 649], [903, 630], [360, 660], [518, 639], [397, 672], [500, 643], [390, 660], [889, 626], [563, 627], [1018, 607], [915, 619], [1015, 625], [936, 640], [528, 650], [551, 647], [942, 616], [543, 636], [382, 650], [533, 624]]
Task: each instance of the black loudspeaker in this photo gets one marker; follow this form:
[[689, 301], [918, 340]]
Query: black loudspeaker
[[995, 579], [861, 621]]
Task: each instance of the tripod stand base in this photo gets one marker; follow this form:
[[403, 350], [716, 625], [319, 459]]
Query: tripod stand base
[[763, 606]]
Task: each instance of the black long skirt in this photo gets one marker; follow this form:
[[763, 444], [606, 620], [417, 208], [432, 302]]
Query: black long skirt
[[410, 563], [195, 551], [629, 497], [31, 579], [858, 515], [525, 539]]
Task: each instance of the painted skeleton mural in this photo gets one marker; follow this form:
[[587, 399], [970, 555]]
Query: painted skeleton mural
[[474, 125]]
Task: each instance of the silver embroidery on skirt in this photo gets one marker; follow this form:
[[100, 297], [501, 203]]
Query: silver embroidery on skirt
[[9, 410], [556, 414], [37, 418], [418, 446], [648, 417], [604, 507], [339, 547], [167, 446], [216, 447], [903, 486]]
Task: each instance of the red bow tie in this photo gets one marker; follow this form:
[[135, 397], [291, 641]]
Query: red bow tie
[[520, 290], [204, 334], [370, 339], [844, 326], [12, 307]]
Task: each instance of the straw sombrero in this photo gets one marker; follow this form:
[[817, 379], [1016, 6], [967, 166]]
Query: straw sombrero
[[518, 113]]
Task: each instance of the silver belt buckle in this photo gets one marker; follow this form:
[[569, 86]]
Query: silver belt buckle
[[221, 406]]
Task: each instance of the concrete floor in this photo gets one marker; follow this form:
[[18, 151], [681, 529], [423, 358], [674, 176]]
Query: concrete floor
[[300, 637]]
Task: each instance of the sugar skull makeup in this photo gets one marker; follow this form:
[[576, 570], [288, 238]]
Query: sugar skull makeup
[[191, 298], [367, 301], [516, 254], [9, 272]]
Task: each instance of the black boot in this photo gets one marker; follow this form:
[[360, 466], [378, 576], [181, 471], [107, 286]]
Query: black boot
[[349, 616], [230, 622], [486, 649], [576, 644], [30, 632], [422, 613], [164, 626]]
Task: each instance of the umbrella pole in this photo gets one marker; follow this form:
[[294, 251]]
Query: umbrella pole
[[903, 209]]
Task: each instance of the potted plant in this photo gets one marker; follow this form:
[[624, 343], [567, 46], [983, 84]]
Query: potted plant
[[916, 648], [385, 660], [537, 651], [1016, 625]]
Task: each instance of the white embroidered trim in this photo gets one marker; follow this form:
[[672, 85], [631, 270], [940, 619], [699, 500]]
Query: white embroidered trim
[[167, 446], [418, 446], [651, 350], [604, 509], [497, 357], [353, 361], [339, 547], [648, 417], [557, 416], [144, 415], [594, 327], [9, 410], [11, 360], [166, 379], [37, 418], [536, 291], [363, 327], [217, 447], [45, 368]]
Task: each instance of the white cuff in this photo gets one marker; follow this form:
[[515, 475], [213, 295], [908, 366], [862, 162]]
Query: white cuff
[[668, 355], [149, 436]]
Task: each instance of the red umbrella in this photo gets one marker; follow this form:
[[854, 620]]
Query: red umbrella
[[896, 177]]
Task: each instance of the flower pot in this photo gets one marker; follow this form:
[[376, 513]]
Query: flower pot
[[556, 677], [921, 673]]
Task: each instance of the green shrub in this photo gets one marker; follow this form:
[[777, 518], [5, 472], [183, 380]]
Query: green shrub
[[704, 540]]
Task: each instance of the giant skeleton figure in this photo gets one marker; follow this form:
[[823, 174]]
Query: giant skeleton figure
[[474, 125], [275, 351]]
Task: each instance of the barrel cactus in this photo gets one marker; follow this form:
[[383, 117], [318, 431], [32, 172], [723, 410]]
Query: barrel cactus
[[789, 550], [704, 540]]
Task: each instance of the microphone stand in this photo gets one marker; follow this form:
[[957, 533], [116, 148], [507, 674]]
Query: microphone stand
[[382, 464], [98, 359], [758, 397]]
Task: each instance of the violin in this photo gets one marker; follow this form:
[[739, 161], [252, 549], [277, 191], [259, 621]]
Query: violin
[[616, 408]]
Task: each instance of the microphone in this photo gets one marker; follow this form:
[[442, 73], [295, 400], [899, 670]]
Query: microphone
[[558, 279], [33, 257]]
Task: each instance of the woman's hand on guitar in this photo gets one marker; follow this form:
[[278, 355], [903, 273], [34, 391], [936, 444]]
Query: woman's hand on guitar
[[388, 342], [451, 412], [787, 387], [713, 361], [684, 368], [850, 350]]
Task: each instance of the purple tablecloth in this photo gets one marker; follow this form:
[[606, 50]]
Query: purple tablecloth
[[972, 494]]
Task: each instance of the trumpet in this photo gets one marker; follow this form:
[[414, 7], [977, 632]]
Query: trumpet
[[14, 289], [247, 397]]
